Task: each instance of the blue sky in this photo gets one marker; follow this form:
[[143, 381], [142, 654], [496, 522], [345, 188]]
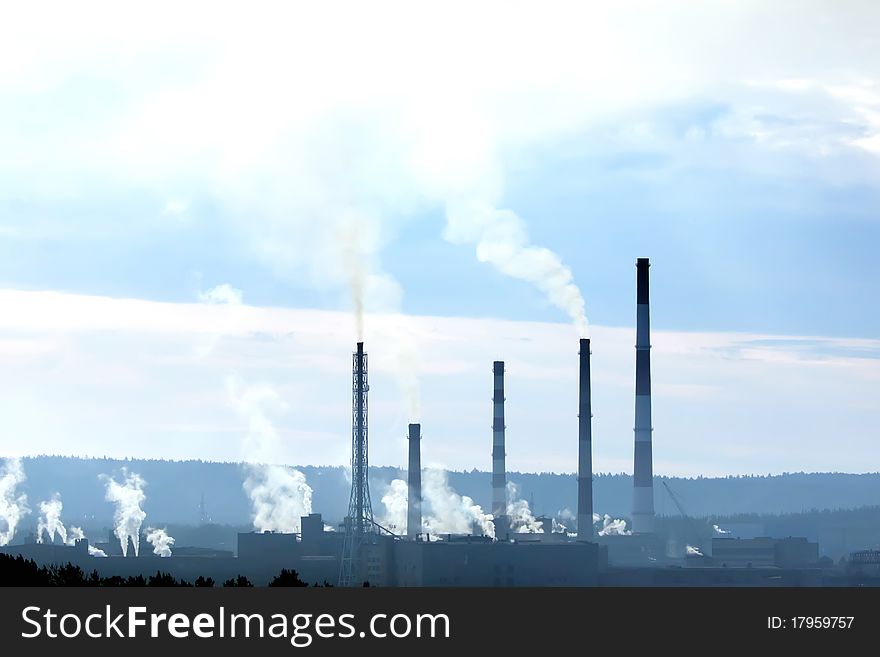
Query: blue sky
[[155, 159]]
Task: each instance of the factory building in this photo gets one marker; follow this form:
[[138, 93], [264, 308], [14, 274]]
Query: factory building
[[475, 561], [765, 552]]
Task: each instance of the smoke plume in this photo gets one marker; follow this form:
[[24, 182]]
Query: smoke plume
[[451, 513], [395, 502], [75, 534], [693, 551], [720, 531], [231, 299], [13, 505], [609, 526], [279, 494], [502, 240], [128, 515], [50, 520], [279, 497], [522, 521], [160, 540]]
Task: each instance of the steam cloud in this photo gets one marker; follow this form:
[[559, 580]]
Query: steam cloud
[[501, 240], [609, 526], [279, 495], [13, 506], [451, 513], [444, 510], [694, 551], [75, 534], [395, 502], [718, 530], [522, 521], [128, 516], [160, 540], [50, 520]]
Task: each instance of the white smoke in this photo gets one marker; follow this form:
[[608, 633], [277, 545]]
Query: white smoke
[[502, 240], [220, 295], [609, 526], [50, 523], [128, 515], [718, 530], [395, 502], [279, 494], [75, 534], [160, 540], [558, 527], [13, 505], [50, 520], [449, 512], [520, 516], [693, 551]]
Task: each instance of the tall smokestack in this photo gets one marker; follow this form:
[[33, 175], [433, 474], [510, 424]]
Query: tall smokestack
[[414, 487], [643, 475], [360, 506], [585, 447], [499, 483]]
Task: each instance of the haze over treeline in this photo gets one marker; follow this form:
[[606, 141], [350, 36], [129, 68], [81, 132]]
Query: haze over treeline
[[174, 490]]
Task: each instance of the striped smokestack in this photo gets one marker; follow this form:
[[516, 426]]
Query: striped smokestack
[[585, 447], [414, 487], [643, 475], [499, 483]]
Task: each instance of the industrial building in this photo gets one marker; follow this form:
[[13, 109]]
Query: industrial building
[[765, 551]]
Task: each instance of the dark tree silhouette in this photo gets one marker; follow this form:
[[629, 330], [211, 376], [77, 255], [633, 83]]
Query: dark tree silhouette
[[240, 581], [287, 578]]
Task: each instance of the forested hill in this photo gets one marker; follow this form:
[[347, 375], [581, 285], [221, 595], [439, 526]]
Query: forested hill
[[174, 489]]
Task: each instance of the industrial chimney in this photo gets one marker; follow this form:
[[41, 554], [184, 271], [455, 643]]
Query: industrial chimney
[[414, 483], [643, 475], [585, 448], [499, 483]]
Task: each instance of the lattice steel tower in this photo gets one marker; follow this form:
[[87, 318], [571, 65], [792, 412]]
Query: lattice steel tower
[[359, 522]]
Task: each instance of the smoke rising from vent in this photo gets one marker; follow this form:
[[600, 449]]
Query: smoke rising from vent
[[522, 521], [160, 540], [279, 495], [718, 530], [395, 502], [50, 520], [128, 515], [693, 551], [76, 534], [502, 240], [449, 512], [13, 505], [609, 526]]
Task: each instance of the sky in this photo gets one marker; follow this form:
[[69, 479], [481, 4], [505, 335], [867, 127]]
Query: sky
[[198, 201]]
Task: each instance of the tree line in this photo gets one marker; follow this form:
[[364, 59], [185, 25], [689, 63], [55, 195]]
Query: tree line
[[18, 571]]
